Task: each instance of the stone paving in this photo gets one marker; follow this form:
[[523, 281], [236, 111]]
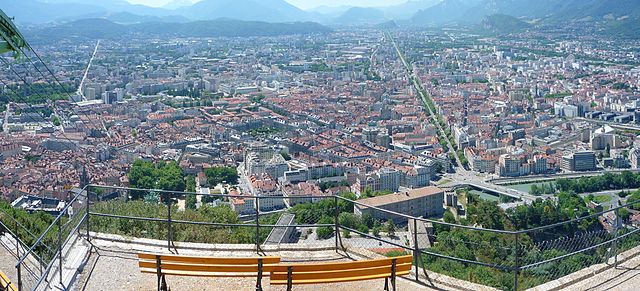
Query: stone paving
[[626, 276], [113, 265]]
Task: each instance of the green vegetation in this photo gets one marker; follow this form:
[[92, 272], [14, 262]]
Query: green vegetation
[[395, 253], [36, 223], [323, 212], [147, 175], [319, 67], [31, 158], [285, 155], [217, 175], [599, 198], [263, 131], [620, 86], [502, 23], [55, 120], [330, 184], [633, 198], [188, 104], [36, 93], [542, 189], [557, 95], [495, 248], [608, 181], [367, 193], [191, 200], [181, 232]]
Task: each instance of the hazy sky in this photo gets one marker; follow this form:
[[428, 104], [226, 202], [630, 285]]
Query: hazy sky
[[304, 4]]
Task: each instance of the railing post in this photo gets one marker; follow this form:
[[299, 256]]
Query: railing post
[[88, 191], [257, 221], [615, 241], [60, 249], [516, 267], [18, 254], [169, 234], [416, 249], [18, 266], [336, 214], [17, 238]]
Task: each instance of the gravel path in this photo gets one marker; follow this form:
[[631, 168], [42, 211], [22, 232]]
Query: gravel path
[[625, 277], [110, 269]]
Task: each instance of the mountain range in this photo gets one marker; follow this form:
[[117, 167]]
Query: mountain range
[[44, 11], [546, 11], [618, 15]]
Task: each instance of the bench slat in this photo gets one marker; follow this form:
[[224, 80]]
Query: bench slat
[[6, 283], [166, 266], [343, 265], [209, 260], [337, 280], [336, 274], [201, 274]]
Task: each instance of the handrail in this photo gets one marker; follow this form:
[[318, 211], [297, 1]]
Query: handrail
[[55, 222], [84, 218], [355, 202]]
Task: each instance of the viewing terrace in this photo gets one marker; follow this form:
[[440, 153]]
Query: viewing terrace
[[94, 244]]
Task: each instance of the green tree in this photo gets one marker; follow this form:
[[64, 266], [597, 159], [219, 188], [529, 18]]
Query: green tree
[[147, 175], [487, 214], [449, 217], [325, 232], [217, 175], [632, 199], [191, 201], [376, 231], [535, 190], [624, 214], [390, 228], [191, 183]]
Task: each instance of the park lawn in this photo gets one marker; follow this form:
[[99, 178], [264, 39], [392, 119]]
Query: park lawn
[[602, 199]]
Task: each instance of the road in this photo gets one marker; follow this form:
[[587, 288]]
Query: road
[[424, 99], [470, 178], [86, 72]]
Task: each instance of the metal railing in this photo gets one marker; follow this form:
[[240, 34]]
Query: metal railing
[[515, 260]]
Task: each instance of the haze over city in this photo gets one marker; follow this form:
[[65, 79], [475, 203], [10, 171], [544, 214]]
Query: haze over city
[[302, 4]]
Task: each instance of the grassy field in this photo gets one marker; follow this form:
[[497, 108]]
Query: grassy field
[[602, 198], [525, 187]]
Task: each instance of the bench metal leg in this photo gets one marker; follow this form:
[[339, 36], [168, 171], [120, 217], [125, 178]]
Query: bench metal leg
[[259, 281], [393, 274], [289, 278], [159, 271], [386, 284], [163, 286], [162, 282]]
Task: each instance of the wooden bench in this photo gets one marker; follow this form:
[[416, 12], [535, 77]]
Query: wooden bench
[[388, 268], [177, 265], [6, 284]]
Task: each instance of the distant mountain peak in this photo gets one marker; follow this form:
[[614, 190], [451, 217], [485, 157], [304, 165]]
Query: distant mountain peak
[[261, 10]]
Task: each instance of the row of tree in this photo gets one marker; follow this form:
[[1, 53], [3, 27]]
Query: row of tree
[[541, 189], [607, 181]]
